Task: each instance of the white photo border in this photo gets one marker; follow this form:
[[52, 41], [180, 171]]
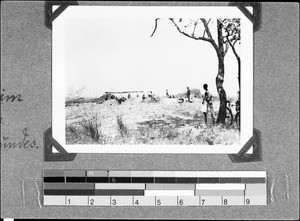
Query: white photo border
[[97, 12]]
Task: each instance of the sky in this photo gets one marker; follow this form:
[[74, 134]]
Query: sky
[[111, 54]]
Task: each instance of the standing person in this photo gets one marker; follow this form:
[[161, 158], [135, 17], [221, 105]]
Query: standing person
[[188, 94], [207, 101], [150, 95], [167, 93]]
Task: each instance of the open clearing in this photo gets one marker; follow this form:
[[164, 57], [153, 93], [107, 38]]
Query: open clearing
[[149, 122]]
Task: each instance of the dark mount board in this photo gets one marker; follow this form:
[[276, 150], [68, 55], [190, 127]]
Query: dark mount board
[[241, 156], [49, 143], [50, 16], [254, 17]]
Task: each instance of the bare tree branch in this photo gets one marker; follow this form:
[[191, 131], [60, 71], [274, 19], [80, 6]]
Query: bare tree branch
[[196, 38], [186, 34], [155, 27], [210, 39], [206, 28], [208, 21]]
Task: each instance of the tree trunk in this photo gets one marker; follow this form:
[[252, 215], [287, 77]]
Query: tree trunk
[[220, 76], [239, 71], [221, 91]]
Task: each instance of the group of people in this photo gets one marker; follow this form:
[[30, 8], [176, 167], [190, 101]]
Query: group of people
[[168, 95], [207, 102], [150, 95]]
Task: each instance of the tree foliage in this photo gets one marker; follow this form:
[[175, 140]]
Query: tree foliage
[[232, 33]]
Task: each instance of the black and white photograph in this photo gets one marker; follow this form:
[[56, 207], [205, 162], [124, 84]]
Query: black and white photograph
[[149, 110], [163, 80]]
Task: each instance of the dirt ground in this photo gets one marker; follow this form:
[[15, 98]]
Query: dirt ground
[[149, 122]]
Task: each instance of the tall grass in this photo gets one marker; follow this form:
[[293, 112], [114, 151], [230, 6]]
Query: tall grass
[[91, 126], [183, 128], [72, 129], [89, 131], [121, 126]]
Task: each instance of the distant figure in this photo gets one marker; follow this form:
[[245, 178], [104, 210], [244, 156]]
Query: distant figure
[[180, 100], [154, 97], [188, 94], [106, 96], [208, 104], [167, 93], [128, 96], [118, 99], [123, 99], [144, 97]]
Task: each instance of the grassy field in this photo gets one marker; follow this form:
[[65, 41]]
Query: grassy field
[[148, 122]]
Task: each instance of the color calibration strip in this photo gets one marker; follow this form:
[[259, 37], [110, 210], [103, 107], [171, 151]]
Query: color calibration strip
[[153, 188]]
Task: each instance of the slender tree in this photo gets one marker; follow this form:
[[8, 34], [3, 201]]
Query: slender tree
[[191, 28], [232, 29]]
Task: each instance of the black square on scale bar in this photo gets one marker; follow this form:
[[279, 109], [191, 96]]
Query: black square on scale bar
[[120, 179]]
